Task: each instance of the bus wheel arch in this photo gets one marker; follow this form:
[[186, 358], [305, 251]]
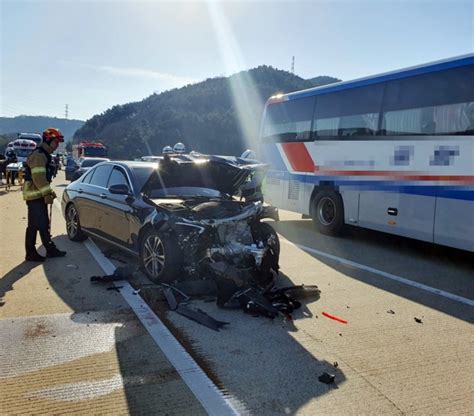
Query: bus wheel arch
[[327, 209]]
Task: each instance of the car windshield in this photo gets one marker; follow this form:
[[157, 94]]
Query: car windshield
[[184, 192], [87, 163]]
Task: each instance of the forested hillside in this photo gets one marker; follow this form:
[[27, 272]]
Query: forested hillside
[[218, 115], [36, 124]]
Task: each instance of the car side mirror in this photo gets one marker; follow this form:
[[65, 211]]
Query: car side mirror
[[119, 189]]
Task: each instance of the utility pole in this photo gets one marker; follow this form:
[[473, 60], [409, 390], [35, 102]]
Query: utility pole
[[293, 65], [66, 112]]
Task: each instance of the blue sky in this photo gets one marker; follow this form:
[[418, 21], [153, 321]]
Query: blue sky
[[95, 54]]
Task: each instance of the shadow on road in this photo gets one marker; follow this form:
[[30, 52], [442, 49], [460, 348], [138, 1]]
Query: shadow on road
[[440, 267]]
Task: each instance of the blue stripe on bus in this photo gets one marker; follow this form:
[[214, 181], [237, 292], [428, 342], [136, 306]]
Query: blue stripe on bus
[[443, 191], [382, 78]]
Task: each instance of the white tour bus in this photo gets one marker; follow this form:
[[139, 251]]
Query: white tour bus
[[393, 152]]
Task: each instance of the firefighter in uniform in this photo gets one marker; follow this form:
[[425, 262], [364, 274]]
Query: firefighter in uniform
[[38, 195]]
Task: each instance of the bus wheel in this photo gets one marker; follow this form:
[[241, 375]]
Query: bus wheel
[[327, 212]]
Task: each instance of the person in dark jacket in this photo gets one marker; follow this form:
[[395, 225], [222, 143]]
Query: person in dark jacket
[[38, 194]]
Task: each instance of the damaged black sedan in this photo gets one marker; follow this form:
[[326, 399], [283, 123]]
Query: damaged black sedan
[[188, 216]]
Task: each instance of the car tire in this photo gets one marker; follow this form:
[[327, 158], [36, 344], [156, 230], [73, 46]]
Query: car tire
[[73, 225], [327, 212], [262, 231], [160, 256]]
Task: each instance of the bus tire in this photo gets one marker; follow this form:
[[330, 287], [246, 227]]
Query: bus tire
[[327, 212]]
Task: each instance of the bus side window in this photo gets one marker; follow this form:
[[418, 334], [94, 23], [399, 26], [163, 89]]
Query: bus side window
[[430, 104], [289, 121], [348, 113]]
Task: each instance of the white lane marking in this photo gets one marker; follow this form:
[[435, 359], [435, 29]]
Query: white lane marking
[[346, 262], [213, 401]]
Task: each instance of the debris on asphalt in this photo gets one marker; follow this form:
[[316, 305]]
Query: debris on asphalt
[[72, 266], [170, 298], [200, 316], [115, 288], [391, 312], [120, 273], [335, 318], [326, 378], [136, 292], [418, 320]]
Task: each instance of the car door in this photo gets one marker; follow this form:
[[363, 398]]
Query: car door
[[94, 196], [116, 217]]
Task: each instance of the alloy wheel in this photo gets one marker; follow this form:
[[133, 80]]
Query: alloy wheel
[[72, 222], [153, 255]]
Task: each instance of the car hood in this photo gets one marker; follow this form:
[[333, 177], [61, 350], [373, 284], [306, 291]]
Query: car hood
[[225, 174]]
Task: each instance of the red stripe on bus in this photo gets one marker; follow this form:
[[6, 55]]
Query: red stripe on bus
[[299, 157], [396, 175]]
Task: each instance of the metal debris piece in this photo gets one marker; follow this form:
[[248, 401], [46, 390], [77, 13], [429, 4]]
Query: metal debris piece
[[200, 317], [299, 292], [170, 298], [418, 320], [175, 289], [326, 378]]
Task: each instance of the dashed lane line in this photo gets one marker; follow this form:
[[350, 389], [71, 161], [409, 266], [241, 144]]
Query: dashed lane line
[[391, 276]]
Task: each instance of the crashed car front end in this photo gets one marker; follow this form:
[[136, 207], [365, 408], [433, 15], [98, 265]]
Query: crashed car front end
[[209, 235]]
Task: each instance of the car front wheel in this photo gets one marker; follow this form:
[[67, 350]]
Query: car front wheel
[[160, 256], [73, 226]]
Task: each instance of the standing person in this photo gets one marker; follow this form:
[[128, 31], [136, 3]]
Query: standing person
[[38, 195]]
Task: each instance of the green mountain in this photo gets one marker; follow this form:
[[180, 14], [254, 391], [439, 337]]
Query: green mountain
[[219, 115], [10, 126]]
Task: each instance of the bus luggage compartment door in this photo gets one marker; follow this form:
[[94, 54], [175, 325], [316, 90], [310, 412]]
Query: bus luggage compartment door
[[454, 224], [402, 214]]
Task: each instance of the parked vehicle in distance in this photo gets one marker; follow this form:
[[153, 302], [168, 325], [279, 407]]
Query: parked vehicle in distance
[[37, 138], [89, 149], [71, 166], [178, 216], [85, 164]]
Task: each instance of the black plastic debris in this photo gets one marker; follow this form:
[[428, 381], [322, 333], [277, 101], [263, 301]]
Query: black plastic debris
[[120, 273], [299, 292], [170, 298], [391, 312], [418, 320], [200, 317], [326, 378]]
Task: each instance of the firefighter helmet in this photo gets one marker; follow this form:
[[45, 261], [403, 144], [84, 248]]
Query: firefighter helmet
[[53, 134], [167, 150], [179, 148]]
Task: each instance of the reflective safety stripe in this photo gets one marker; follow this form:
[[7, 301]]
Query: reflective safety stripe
[[29, 195], [45, 190], [38, 170]]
